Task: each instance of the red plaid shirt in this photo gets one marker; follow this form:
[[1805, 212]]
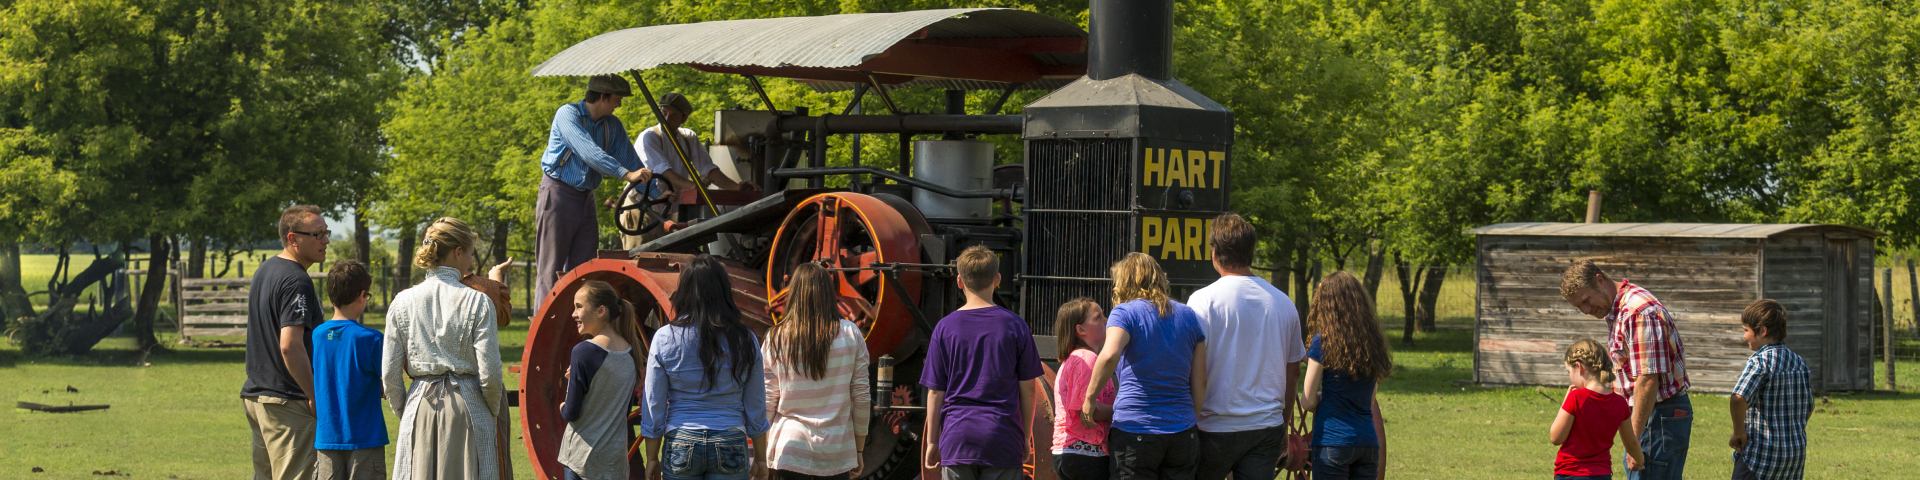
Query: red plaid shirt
[[1643, 340]]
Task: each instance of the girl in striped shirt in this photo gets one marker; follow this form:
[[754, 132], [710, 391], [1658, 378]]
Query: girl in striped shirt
[[818, 400]]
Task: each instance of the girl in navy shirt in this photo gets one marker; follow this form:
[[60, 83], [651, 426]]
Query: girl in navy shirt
[[1345, 363]]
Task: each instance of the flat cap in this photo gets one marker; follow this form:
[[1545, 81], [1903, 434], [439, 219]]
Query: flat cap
[[609, 84], [678, 102]]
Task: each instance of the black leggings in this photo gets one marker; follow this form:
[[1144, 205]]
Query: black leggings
[[1082, 467]]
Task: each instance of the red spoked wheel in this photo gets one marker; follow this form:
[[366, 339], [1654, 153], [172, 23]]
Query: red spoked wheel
[[648, 281], [853, 231]]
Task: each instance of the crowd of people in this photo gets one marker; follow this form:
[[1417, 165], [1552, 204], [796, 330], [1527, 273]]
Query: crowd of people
[[1152, 388]]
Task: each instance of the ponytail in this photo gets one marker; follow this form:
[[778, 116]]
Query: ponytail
[[626, 323]]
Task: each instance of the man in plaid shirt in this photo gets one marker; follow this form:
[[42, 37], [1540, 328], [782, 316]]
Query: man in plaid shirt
[[1771, 401], [1653, 373]]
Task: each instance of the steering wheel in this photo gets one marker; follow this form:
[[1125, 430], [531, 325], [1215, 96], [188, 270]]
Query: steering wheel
[[653, 208]]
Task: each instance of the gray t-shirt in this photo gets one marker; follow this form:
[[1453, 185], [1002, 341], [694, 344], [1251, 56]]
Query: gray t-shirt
[[281, 296]]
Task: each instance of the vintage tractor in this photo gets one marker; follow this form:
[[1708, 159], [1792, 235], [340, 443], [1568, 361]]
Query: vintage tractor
[[1118, 157]]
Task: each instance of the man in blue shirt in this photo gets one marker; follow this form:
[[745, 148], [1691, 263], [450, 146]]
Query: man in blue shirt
[[352, 430], [586, 143]]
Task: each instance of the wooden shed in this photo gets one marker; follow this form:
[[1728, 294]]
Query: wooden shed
[[1705, 273]]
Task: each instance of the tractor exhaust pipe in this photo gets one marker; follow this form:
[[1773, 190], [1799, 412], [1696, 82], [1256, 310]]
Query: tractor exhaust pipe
[[1130, 37]]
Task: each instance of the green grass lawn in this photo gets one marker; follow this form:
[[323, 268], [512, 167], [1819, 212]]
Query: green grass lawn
[[180, 417]]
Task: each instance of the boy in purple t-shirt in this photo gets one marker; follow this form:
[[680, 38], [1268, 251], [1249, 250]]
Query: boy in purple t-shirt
[[979, 373]]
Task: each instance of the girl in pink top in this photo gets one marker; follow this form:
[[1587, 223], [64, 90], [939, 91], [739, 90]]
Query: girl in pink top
[[1080, 449]]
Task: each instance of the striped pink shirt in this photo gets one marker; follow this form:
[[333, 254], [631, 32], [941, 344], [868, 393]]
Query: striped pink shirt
[[815, 422]]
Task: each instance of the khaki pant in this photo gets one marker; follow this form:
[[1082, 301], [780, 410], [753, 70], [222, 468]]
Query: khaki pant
[[362, 464], [282, 438]]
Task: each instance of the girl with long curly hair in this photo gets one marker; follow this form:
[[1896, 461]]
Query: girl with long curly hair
[[1346, 361]]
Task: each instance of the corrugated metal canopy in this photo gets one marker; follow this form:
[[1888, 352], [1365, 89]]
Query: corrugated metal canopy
[[991, 45], [1680, 230]]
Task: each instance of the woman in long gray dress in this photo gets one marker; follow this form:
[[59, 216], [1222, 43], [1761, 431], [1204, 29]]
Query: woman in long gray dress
[[442, 334]]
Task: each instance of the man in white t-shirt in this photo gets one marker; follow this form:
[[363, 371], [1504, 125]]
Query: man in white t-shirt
[[658, 155], [1253, 357]]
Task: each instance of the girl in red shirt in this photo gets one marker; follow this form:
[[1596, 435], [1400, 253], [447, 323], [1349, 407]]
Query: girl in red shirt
[[1590, 417]]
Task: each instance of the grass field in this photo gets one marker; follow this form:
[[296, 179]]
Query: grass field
[[181, 418]]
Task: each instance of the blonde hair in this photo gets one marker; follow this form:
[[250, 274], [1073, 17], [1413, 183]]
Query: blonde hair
[[440, 240], [1138, 276], [1591, 359]]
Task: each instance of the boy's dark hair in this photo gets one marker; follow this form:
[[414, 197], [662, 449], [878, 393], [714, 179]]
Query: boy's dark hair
[[347, 281], [1767, 314], [977, 266], [1232, 240]]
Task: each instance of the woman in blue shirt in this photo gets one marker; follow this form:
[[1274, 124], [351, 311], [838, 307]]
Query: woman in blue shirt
[[1160, 352], [705, 390], [1345, 363]]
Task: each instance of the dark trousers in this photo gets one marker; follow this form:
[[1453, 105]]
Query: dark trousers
[[1588, 477], [1248, 455], [1082, 467], [792, 475], [1343, 463], [1174, 456], [565, 234]]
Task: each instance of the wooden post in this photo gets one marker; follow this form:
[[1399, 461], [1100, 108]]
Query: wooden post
[[1913, 293], [1886, 331], [1593, 206]]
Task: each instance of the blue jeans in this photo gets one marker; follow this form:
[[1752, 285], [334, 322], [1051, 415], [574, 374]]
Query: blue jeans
[[1665, 440], [705, 455], [1343, 463]]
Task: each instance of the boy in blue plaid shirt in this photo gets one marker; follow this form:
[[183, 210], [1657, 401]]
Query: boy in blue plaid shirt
[[1771, 400]]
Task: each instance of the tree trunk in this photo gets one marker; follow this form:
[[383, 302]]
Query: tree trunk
[[13, 295], [58, 330], [1409, 280], [403, 262], [149, 306], [1430, 295], [362, 239], [197, 259], [499, 244], [1376, 260]]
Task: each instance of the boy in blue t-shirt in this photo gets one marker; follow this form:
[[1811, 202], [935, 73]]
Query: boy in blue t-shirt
[[351, 429]]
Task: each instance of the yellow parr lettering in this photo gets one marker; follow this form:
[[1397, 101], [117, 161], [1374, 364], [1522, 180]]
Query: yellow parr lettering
[[1150, 234]]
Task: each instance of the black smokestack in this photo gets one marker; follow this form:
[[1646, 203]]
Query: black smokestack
[[1130, 36]]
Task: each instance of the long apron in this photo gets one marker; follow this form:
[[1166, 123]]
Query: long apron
[[446, 432]]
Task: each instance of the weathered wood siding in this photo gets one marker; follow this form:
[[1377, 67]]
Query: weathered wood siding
[[1524, 327]]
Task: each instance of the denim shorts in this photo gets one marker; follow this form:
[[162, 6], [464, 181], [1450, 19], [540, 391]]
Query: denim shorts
[[694, 454]]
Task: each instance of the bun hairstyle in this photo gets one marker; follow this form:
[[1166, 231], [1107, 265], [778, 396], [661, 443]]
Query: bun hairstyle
[[1591, 359], [442, 237]]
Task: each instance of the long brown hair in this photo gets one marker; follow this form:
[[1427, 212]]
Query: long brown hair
[[803, 337], [1592, 359], [621, 315], [1138, 276], [1342, 313], [1072, 313]]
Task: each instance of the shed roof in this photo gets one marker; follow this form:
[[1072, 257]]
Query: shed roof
[[962, 47], [1673, 230]]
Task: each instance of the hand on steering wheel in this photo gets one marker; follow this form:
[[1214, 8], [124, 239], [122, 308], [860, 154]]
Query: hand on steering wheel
[[655, 201]]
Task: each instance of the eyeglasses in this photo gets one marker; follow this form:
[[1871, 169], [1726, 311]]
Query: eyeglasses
[[323, 234]]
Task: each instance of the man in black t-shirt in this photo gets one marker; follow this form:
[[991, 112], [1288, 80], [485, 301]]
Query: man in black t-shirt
[[281, 309]]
